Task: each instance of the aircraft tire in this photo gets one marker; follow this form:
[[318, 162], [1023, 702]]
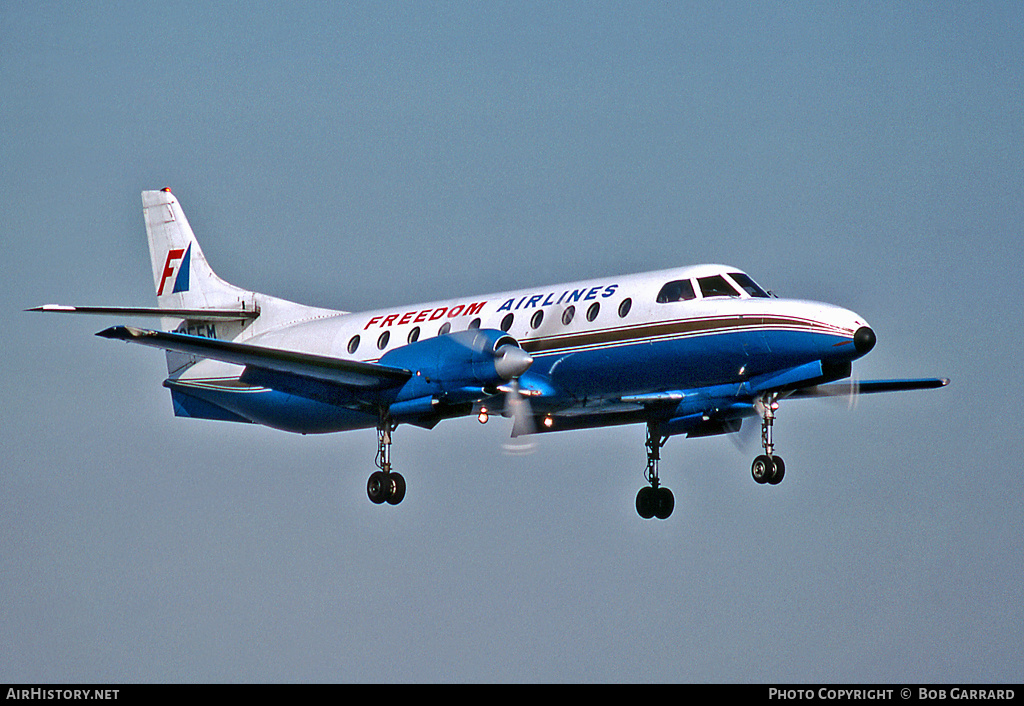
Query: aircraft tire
[[396, 488], [779, 471], [377, 487], [646, 502], [762, 469], [664, 503]]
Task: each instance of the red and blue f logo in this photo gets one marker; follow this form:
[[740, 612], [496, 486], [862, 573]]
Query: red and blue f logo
[[181, 257]]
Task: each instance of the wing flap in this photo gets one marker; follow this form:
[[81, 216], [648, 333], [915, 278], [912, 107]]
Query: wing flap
[[352, 374]]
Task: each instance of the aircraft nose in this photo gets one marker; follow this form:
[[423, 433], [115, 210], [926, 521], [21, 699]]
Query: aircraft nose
[[864, 339]]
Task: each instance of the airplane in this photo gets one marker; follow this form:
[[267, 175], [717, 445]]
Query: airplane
[[689, 351]]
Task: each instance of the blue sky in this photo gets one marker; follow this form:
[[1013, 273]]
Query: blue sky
[[374, 154]]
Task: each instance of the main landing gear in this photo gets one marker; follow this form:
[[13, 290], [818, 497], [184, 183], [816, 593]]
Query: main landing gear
[[385, 485], [654, 500], [768, 468], [657, 501]]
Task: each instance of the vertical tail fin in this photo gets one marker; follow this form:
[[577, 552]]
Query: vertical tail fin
[[181, 275], [184, 279]]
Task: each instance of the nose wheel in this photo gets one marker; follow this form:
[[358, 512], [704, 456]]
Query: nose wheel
[[768, 469], [654, 500]]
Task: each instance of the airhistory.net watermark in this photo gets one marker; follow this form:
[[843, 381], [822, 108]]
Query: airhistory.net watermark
[[41, 694]]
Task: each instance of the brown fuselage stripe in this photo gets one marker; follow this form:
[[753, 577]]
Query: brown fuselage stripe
[[675, 329]]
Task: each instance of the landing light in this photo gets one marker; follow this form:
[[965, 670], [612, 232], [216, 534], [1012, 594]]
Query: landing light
[[482, 417], [549, 421]]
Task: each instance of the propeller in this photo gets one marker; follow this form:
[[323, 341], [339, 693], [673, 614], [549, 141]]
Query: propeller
[[511, 362], [518, 407]]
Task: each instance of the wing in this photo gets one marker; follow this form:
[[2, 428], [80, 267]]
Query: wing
[[718, 409], [312, 376], [867, 387], [194, 314]]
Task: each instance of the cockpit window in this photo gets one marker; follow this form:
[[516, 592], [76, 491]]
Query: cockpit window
[[716, 286], [748, 284], [677, 291]]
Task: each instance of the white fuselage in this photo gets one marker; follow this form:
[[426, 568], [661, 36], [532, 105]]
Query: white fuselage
[[599, 338]]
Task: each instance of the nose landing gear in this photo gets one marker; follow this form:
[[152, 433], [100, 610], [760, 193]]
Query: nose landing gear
[[768, 468]]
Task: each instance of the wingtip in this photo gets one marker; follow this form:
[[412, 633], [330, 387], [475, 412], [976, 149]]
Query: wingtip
[[52, 307], [123, 333], [112, 332]]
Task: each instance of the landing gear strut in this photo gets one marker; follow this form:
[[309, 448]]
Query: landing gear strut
[[768, 468], [654, 500], [385, 485]]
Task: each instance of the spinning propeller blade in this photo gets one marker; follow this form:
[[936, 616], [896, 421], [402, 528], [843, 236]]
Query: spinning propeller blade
[[511, 362]]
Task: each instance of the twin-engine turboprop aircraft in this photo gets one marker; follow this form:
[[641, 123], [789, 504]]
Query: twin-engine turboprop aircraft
[[691, 350]]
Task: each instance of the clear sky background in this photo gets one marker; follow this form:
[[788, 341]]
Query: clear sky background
[[357, 155]]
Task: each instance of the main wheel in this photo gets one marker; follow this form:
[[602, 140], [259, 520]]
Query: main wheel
[[780, 471], [377, 487], [664, 503], [396, 488], [762, 469], [646, 502]]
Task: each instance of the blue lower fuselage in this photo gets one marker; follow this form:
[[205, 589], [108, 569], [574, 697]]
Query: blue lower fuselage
[[578, 372]]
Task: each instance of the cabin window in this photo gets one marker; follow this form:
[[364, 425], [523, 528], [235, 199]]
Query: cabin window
[[593, 311], [382, 342], [716, 286], [537, 317], [475, 323], [353, 344], [624, 307], [445, 328], [677, 291], [506, 323], [748, 285], [414, 335], [570, 311]]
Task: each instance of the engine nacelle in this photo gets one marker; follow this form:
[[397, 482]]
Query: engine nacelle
[[457, 362]]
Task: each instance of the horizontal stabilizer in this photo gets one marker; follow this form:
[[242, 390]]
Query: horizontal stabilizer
[[345, 373], [866, 387], [190, 314]]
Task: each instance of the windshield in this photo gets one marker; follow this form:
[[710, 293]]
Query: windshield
[[716, 286], [749, 285]]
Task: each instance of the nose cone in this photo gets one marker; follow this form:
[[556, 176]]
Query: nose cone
[[511, 362], [864, 339]]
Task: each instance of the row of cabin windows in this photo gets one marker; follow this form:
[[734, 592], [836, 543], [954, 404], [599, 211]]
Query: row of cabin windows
[[675, 291], [568, 314], [414, 335], [506, 323]]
